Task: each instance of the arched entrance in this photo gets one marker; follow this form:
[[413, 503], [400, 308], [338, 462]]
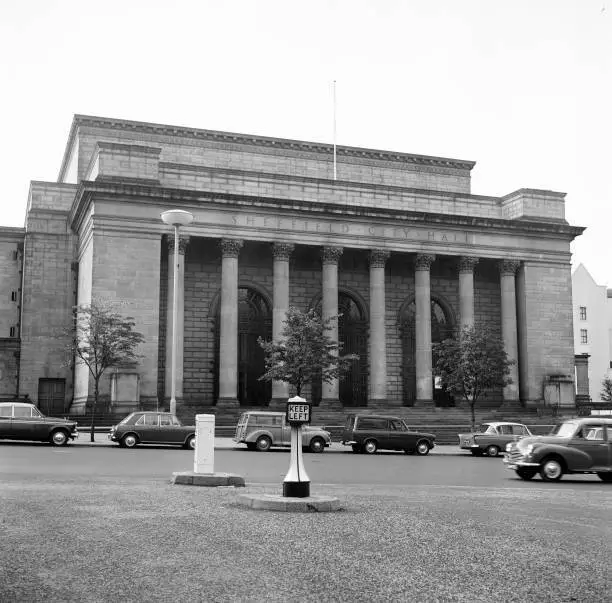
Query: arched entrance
[[442, 327], [254, 321], [353, 335]]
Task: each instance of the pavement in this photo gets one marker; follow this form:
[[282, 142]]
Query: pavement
[[101, 439]]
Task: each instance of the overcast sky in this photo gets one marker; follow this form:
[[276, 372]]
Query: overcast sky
[[522, 87]]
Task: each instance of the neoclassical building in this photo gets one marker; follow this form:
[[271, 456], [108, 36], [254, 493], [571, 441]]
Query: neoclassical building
[[396, 244]]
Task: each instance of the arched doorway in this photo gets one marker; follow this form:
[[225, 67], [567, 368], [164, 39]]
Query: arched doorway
[[353, 335], [442, 327], [254, 321]]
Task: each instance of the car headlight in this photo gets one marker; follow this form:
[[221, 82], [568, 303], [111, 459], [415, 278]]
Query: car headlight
[[510, 446], [529, 449]]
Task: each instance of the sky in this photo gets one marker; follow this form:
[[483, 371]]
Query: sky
[[522, 87]]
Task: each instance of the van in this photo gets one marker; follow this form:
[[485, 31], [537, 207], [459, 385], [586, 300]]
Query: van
[[369, 433], [262, 430]]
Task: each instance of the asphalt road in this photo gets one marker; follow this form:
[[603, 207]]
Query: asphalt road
[[34, 461]]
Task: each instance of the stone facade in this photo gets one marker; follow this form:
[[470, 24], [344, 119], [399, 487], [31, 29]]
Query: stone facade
[[397, 244]]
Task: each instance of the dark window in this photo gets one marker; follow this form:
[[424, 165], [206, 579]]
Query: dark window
[[583, 315], [15, 255], [12, 332], [584, 336], [13, 295], [372, 423]]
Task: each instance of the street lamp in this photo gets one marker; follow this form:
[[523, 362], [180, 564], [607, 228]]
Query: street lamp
[[176, 218]]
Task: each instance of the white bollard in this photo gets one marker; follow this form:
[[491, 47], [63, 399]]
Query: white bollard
[[204, 453]]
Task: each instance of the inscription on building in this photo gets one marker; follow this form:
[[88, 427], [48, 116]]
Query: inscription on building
[[405, 233]]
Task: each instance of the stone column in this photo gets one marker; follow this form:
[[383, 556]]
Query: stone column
[[281, 253], [378, 343], [331, 256], [507, 272], [422, 297], [177, 264], [466, 290], [228, 347]]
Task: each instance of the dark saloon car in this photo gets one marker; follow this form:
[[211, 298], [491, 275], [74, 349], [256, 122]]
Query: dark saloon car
[[575, 446], [369, 433], [152, 428], [23, 421]]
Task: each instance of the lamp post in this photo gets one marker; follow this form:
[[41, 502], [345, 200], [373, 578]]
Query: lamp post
[[176, 218]]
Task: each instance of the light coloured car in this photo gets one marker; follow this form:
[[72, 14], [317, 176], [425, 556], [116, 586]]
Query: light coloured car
[[492, 437], [262, 430]]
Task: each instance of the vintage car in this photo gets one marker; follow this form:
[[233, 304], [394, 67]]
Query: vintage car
[[261, 430], [23, 421], [492, 437], [152, 428], [369, 433], [575, 446]]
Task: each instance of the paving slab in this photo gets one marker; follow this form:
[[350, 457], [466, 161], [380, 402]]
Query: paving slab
[[276, 502]]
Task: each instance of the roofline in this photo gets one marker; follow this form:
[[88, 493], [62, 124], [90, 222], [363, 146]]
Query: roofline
[[254, 139]]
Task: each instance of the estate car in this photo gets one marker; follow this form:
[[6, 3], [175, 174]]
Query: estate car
[[369, 433], [23, 421], [575, 446], [261, 430], [492, 437], [152, 428]]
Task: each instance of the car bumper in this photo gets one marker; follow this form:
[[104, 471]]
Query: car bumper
[[517, 463]]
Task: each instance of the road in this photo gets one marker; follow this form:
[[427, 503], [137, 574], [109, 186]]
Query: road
[[77, 462]]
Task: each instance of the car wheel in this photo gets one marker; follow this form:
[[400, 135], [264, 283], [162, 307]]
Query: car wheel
[[422, 447], [605, 476], [191, 442], [551, 469], [356, 448], [370, 446], [526, 473], [129, 440], [492, 450], [59, 438], [317, 445], [476, 452], [263, 444]]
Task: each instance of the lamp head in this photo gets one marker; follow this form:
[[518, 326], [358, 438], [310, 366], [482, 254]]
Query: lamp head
[[177, 217]]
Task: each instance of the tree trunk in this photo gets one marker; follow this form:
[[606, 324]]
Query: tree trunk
[[92, 433], [472, 404]]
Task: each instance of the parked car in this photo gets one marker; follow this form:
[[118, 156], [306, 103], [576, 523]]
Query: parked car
[[574, 446], [369, 433], [23, 421], [492, 438], [261, 430], [152, 428]]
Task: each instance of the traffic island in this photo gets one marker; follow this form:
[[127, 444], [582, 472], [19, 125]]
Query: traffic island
[[191, 478], [274, 502]]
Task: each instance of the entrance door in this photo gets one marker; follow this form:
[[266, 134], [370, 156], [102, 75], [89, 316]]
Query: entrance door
[[353, 334], [51, 396]]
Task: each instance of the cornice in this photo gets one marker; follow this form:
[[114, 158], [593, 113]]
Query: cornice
[[162, 195], [255, 140]]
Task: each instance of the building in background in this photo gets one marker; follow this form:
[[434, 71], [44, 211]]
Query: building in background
[[592, 328], [397, 244]]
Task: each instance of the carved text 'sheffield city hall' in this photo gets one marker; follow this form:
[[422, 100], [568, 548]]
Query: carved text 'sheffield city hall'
[[396, 244]]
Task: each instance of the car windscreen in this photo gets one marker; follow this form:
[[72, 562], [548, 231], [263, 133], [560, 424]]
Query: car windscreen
[[564, 430]]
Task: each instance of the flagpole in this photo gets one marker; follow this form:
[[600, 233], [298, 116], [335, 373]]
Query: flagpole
[[335, 167]]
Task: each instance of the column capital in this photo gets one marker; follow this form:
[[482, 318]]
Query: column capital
[[183, 242], [508, 267], [282, 251], [331, 255], [467, 263], [423, 261], [378, 257], [230, 248]]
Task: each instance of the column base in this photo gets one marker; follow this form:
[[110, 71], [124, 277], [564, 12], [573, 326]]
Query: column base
[[228, 403], [426, 403], [330, 404], [278, 404], [296, 489]]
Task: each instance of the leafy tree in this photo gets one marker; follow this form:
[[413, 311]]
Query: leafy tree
[[100, 338], [304, 352], [471, 364], [606, 389]]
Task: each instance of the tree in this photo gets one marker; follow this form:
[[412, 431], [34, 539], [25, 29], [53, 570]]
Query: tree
[[471, 364], [101, 338], [606, 389], [304, 351]]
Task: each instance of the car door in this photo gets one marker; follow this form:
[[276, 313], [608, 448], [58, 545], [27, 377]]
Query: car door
[[147, 428], [399, 436], [6, 412], [590, 439], [27, 424], [169, 432]]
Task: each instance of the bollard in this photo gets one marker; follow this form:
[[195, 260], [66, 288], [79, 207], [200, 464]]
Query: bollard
[[297, 482], [204, 453]]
